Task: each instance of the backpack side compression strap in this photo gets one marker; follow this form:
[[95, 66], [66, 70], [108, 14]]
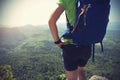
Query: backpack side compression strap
[[93, 50], [93, 53]]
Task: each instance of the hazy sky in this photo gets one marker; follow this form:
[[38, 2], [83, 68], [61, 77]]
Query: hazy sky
[[37, 12]]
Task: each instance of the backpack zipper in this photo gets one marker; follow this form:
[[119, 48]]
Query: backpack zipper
[[84, 13]]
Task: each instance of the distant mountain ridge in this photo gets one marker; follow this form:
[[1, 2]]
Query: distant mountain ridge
[[113, 26], [11, 37]]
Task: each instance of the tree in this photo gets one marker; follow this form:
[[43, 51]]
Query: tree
[[6, 73]]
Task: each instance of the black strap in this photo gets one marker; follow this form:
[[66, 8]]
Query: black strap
[[101, 43], [93, 54], [93, 50]]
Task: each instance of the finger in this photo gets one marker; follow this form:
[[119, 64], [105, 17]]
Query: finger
[[59, 45], [64, 43]]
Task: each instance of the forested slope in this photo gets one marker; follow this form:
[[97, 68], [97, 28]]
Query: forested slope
[[33, 56]]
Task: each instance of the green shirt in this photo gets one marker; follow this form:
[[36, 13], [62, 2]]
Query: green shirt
[[70, 9]]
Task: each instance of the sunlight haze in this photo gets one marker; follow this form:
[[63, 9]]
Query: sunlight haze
[[37, 12], [24, 12]]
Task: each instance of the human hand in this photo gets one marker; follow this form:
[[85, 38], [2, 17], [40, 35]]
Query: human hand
[[61, 44]]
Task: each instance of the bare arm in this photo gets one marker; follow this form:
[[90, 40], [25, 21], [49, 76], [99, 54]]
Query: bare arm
[[52, 22]]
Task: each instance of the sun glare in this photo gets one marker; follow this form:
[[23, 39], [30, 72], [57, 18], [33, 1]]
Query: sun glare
[[35, 12]]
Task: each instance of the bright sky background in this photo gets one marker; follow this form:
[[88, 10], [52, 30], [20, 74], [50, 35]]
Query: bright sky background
[[37, 12], [23, 12]]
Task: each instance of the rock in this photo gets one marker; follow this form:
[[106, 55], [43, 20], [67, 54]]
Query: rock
[[96, 77]]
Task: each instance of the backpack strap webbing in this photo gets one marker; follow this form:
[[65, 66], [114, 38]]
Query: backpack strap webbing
[[93, 50], [101, 43]]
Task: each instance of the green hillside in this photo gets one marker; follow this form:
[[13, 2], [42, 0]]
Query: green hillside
[[33, 56]]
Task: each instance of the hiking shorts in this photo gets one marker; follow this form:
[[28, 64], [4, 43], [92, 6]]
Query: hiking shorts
[[74, 56]]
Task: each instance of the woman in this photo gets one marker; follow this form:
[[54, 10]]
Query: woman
[[74, 57]]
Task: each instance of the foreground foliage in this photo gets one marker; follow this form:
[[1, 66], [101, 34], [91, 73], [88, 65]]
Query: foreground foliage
[[6, 73]]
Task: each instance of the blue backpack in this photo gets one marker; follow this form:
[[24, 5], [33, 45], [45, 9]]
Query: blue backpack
[[92, 17]]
